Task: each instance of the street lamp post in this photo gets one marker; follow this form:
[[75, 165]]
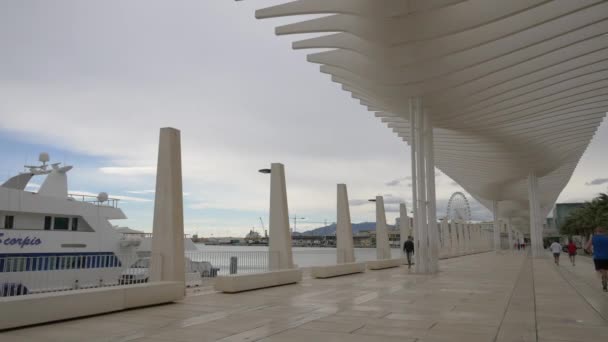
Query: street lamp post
[[295, 221]]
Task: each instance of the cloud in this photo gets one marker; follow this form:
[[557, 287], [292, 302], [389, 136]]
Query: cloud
[[398, 181], [597, 181], [390, 199], [358, 202], [391, 208], [150, 192], [125, 98], [142, 192], [128, 170]]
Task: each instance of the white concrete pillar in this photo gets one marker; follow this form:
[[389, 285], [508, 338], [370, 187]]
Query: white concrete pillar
[[482, 244], [467, 238], [383, 248], [510, 233], [168, 259], [344, 230], [496, 226], [422, 221], [454, 238], [461, 238], [423, 188], [404, 225], [279, 243], [433, 227], [445, 250], [475, 238], [458, 238], [415, 209], [536, 226]]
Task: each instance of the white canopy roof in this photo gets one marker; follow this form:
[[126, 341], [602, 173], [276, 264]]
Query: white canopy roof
[[512, 87]]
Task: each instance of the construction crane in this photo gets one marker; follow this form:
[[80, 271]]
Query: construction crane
[[263, 228]]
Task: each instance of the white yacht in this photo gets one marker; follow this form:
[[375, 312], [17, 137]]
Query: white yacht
[[51, 240]]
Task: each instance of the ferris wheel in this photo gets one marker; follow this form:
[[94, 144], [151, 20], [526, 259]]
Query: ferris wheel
[[458, 208]]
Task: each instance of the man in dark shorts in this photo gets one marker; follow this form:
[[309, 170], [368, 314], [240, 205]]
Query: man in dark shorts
[[599, 243], [556, 249], [408, 248]]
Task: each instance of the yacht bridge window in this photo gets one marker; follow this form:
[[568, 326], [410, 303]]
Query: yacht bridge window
[[47, 222], [9, 222], [61, 223]]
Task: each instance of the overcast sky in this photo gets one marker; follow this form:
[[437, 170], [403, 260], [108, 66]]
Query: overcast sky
[[91, 82]]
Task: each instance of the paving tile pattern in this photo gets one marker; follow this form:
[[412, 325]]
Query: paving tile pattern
[[504, 297]]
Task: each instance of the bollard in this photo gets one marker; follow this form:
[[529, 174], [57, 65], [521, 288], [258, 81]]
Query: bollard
[[233, 264]]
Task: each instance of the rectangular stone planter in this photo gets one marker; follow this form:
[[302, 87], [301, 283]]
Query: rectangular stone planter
[[337, 270], [384, 263], [245, 282], [21, 311]]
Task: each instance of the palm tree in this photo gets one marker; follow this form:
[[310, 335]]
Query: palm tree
[[583, 220]]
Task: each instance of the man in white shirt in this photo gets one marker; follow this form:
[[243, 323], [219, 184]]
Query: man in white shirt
[[556, 249]]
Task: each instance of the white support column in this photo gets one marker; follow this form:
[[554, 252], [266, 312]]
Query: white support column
[[168, 225], [279, 244], [496, 226], [423, 189], [510, 233], [536, 227], [414, 162], [404, 225], [463, 248], [445, 250], [475, 234], [344, 231], [459, 237], [423, 248], [454, 238], [383, 248], [467, 238], [430, 195]]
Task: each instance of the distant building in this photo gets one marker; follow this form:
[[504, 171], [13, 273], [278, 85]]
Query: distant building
[[561, 212]]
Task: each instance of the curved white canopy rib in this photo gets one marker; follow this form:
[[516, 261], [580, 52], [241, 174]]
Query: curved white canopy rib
[[512, 87]]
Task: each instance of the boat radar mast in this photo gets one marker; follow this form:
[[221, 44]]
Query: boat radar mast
[[40, 169]]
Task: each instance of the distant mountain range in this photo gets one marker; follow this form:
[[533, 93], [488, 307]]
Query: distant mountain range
[[331, 229]]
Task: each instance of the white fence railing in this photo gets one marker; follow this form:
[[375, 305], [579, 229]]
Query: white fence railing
[[22, 275], [216, 263]]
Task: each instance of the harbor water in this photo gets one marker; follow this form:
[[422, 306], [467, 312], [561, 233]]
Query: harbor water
[[302, 256]]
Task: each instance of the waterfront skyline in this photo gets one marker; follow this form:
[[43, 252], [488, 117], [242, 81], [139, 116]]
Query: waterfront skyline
[[81, 82]]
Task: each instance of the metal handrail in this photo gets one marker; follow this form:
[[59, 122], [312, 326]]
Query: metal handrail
[[110, 202]]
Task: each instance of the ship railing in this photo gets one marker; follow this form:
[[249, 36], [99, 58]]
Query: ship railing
[[26, 275], [110, 202]]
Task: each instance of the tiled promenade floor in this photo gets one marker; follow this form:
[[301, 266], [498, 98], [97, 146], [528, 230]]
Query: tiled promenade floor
[[484, 297]]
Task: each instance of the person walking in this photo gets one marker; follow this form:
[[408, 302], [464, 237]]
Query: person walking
[[556, 249], [571, 251], [598, 245], [408, 248]]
